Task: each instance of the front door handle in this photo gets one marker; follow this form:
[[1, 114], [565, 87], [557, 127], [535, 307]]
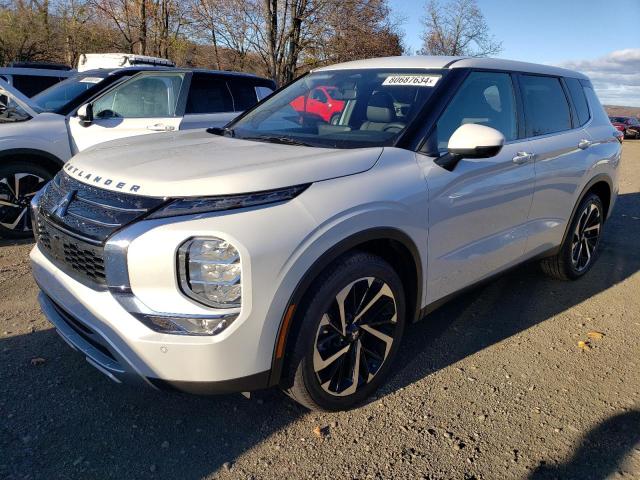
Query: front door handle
[[522, 157], [584, 144], [160, 127]]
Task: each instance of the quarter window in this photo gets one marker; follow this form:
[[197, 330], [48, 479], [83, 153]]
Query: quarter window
[[244, 94], [485, 98], [263, 92], [208, 94], [148, 96], [545, 105], [579, 100]]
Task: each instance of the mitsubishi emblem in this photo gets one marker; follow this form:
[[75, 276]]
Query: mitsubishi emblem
[[61, 209]]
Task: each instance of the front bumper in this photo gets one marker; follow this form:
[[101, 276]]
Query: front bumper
[[118, 345]]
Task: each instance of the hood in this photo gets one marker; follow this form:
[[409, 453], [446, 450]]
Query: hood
[[197, 163], [18, 97]]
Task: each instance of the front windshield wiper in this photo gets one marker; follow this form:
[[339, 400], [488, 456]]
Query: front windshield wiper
[[222, 131], [279, 140]]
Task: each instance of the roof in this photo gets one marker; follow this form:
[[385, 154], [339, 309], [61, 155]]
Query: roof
[[220, 72], [36, 72], [442, 62]]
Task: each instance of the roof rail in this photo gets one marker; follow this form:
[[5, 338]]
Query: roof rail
[[42, 65]]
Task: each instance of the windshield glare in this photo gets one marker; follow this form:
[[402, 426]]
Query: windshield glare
[[62, 93], [341, 109]]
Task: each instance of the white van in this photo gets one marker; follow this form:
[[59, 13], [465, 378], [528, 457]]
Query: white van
[[91, 61]]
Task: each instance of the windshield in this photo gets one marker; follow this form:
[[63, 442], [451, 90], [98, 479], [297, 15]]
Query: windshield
[[340, 109], [62, 93]]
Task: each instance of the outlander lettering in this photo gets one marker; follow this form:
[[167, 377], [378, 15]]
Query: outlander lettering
[[98, 179]]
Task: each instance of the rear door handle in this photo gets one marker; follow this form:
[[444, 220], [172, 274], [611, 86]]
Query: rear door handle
[[584, 144], [160, 127], [522, 157]]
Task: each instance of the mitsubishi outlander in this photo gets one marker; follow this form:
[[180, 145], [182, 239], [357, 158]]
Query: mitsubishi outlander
[[293, 249]]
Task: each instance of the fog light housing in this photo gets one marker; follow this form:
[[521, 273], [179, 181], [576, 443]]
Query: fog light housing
[[186, 325], [209, 271]]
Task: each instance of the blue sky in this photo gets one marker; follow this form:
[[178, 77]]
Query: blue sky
[[581, 34]]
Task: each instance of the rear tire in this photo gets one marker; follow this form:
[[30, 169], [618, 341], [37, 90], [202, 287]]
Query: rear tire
[[580, 250], [350, 331], [19, 182]]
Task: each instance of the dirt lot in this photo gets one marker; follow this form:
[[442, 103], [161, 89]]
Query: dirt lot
[[491, 386]]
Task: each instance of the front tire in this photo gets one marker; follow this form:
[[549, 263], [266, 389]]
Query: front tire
[[580, 250], [349, 333], [19, 182]]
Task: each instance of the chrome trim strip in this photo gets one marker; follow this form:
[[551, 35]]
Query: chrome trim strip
[[75, 235], [110, 207], [91, 220]]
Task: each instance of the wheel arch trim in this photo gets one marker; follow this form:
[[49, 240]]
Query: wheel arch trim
[[601, 177], [349, 243], [11, 153]]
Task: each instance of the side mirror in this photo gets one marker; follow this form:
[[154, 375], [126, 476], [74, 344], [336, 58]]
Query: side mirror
[[85, 114], [471, 141]]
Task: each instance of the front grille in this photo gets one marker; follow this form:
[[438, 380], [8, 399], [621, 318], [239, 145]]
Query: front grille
[[73, 220], [91, 212], [80, 259]]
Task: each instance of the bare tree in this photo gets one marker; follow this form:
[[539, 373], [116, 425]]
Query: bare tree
[[227, 25], [124, 16], [276, 38], [360, 29], [457, 28]]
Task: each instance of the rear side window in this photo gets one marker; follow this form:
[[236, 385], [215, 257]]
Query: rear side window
[[33, 84], [244, 94], [485, 98], [579, 100], [545, 105], [597, 111], [208, 94]]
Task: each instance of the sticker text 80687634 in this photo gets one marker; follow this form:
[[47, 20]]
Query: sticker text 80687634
[[411, 80]]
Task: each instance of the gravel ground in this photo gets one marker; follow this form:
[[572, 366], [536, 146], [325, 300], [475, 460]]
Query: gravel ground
[[490, 386]]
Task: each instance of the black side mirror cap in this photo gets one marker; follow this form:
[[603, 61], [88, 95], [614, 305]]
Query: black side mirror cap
[[85, 114]]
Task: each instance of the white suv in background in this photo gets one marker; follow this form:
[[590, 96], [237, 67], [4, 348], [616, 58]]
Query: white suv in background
[[38, 135], [293, 251]]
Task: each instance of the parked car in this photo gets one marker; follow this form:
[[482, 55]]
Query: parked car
[[321, 102], [42, 133], [286, 250], [629, 126], [31, 78]]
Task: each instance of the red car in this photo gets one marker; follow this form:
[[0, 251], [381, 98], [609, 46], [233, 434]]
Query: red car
[[321, 102], [629, 126]]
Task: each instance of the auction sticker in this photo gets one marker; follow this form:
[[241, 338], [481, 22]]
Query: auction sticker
[[91, 80], [411, 80]]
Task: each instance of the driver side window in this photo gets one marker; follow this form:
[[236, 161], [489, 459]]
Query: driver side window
[[147, 96], [485, 98]]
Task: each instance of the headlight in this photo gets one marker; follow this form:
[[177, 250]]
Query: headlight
[[190, 206], [209, 271]]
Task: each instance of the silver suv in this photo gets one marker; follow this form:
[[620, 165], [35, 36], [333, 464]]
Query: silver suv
[[293, 247]]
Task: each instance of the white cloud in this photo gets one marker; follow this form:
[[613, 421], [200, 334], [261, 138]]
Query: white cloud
[[615, 77]]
